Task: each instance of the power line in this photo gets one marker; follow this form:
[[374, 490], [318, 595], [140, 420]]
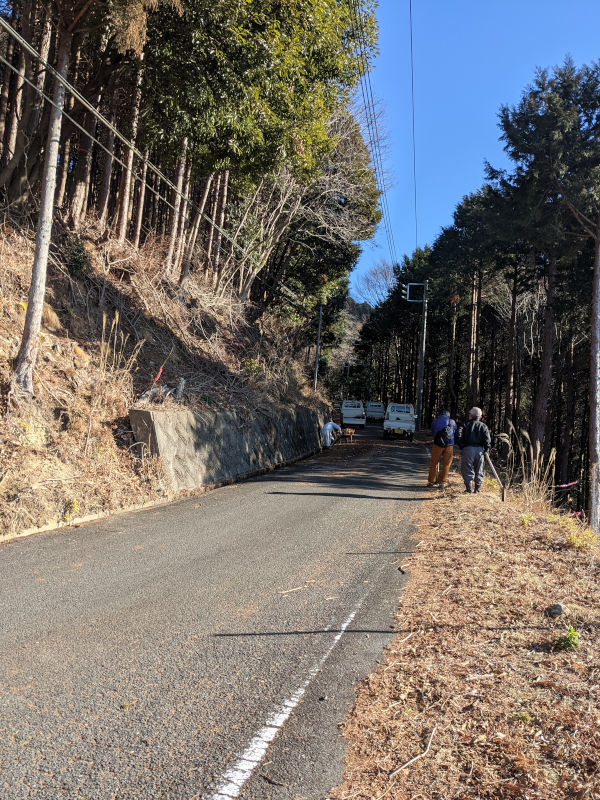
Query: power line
[[414, 140], [373, 135], [372, 108], [373, 128]]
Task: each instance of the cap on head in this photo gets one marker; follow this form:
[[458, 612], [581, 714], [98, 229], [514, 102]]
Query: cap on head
[[476, 413]]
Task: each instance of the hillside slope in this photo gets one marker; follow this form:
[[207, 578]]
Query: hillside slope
[[114, 334]]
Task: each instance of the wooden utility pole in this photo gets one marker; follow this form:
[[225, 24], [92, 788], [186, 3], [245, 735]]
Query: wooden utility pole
[[421, 372]]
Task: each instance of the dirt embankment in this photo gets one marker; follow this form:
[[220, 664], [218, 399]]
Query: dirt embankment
[[113, 329], [492, 687]]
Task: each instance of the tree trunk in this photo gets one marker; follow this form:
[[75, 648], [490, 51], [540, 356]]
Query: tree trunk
[[25, 362], [471, 373], [195, 229], [4, 94], [183, 220], [510, 353], [104, 195], [545, 369], [215, 206], [218, 271], [125, 188], [82, 172], [16, 109], [141, 201], [594, 430], [568, 429], [65, 155], [476, 359], [176, 207], [37, 100], [450, 375]]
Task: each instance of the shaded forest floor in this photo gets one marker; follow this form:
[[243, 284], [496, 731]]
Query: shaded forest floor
[[489, 694], [115, 334]]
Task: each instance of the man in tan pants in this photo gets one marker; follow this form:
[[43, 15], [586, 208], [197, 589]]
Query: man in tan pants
[[442, 430]]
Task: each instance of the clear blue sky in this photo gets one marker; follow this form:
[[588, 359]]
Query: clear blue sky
[[470, 57]]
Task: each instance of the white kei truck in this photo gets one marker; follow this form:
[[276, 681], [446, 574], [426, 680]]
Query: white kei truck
[[353, 413], [374, 410], [399, 421]]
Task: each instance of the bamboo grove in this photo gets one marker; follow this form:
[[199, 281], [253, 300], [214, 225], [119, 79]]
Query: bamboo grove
[[513, 317], [244, 105]]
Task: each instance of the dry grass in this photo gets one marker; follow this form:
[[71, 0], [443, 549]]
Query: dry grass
[[111, 325], [506, 696]]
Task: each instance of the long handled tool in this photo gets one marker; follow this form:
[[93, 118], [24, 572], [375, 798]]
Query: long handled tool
[[493, 468]]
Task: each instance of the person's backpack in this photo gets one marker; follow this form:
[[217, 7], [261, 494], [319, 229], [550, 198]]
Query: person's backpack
[[443, 437]]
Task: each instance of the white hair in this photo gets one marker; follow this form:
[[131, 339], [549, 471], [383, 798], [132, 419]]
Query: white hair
[[476, 413]]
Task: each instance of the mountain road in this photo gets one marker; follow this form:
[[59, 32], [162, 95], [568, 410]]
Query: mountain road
[[208, 648]]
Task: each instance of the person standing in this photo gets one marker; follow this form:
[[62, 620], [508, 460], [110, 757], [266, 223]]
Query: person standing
[[328, 432], [474, 441], [442, 430]]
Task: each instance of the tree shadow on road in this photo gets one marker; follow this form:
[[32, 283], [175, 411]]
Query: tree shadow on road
[[354, 495]]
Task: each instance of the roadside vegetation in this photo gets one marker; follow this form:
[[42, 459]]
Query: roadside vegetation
[[109, 339], [491, 688], [170, 237]]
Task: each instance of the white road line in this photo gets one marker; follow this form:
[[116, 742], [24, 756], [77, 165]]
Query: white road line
[[236, 776]]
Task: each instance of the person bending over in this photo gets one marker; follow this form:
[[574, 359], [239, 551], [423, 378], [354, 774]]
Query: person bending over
[[328, 432]]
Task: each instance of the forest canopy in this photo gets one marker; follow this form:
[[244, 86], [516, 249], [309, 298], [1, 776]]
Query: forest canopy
[[225, 131]]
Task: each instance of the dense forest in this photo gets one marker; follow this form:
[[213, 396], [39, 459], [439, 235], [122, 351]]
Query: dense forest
[[510, 324], [221, 133]]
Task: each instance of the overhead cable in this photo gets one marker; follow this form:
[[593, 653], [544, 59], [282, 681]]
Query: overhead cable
[[372, 127], [414, 140]]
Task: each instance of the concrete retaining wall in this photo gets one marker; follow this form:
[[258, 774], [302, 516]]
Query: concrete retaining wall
[[203, 449]]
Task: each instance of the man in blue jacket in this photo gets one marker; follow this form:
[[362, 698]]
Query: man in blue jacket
[[442, 430]]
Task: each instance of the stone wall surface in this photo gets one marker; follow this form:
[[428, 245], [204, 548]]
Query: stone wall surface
[[199, 450]]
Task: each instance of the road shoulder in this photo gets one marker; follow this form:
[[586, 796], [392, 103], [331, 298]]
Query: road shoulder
[[477, 696]]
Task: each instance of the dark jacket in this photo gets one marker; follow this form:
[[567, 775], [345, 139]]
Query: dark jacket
[[439, 423], [474, 433]]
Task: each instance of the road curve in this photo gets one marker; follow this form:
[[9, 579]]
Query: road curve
[[208, 648]]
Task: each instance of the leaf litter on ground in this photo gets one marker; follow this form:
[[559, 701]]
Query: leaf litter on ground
[[476, 697]]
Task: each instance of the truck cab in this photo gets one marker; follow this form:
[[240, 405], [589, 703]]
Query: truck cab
[[399, 421]]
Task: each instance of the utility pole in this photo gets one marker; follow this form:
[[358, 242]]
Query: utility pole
[[421, 370], [318, 346], [421, 373]]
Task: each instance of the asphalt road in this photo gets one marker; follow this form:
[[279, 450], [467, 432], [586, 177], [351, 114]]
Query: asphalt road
[[209, 648]]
